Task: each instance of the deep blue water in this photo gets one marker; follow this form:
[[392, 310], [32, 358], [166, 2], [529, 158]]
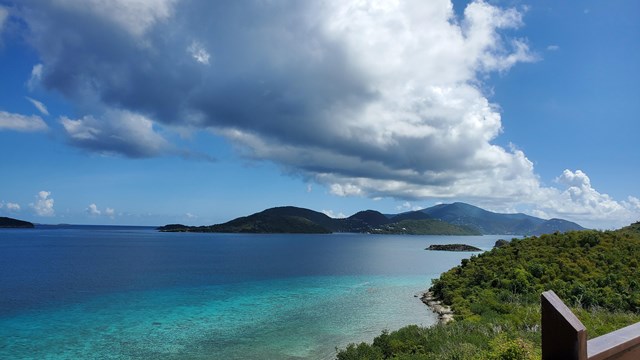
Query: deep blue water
[[134, 293]]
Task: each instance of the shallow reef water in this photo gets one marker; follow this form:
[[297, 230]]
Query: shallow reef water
[[139, 294]]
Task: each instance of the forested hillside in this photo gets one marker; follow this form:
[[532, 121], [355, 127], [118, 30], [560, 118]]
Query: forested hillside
[[496, 295]]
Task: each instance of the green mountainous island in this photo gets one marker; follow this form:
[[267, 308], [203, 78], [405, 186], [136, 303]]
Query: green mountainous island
[[445, 219], [494, 297], [6, 222]]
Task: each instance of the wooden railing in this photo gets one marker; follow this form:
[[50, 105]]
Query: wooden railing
[[565, 338]]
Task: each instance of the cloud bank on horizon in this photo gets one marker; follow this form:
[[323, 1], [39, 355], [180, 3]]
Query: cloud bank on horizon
[[369, 98]]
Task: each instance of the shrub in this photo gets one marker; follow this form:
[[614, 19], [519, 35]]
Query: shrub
[[361, 351], [506, 349]]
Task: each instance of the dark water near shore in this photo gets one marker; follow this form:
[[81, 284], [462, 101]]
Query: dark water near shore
[[134, 293]]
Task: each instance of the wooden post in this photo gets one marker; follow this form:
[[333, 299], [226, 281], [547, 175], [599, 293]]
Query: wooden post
[[563, 335]]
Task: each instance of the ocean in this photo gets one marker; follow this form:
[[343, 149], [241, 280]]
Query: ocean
[[100, 292]]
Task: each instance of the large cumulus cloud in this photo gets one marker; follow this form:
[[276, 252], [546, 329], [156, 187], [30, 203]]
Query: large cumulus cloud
[[374, 98], [583, 203]]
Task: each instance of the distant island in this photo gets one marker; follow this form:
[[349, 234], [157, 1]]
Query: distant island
[[424, 227], [6, 222], [445, 219], [453, 247]]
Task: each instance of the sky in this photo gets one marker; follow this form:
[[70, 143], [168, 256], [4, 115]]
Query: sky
[[147, 112]]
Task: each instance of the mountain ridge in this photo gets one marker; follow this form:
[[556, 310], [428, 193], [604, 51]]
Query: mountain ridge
[[444, 219], [488, 222]]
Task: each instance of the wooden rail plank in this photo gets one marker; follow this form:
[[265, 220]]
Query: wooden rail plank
[[565, 337], [621, 344]]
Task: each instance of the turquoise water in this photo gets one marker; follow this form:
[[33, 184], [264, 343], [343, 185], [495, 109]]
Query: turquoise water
[[209, 296]]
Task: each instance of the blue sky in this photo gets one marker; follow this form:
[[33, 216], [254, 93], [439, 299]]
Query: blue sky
[[158, 111]]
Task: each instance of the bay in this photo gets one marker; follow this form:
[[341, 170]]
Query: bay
[[134, 293]]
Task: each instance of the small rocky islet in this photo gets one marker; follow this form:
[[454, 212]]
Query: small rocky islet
[[453, 247]]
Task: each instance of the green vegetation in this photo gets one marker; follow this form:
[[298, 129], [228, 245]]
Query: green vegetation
[[272, 224], [424, 227], [496, 295], [286, 219], [6, 222], [501, 242], [453, 247], [175, 228]]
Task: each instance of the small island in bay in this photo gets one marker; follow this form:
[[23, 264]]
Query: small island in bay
[[6, 222], [453, 247]]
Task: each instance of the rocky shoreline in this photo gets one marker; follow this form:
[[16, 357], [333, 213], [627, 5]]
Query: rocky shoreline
[[444, 312]]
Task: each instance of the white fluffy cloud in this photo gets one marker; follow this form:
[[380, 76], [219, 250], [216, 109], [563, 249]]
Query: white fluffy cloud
[[93, 210], [44, 204], [423, 127], [11, 207], [119, 132], [23, 123], [407, 206], [332, 214], [632, 203], [581, 202]]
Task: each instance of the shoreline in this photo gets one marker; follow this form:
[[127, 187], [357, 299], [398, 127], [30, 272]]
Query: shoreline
[[444, 312]]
